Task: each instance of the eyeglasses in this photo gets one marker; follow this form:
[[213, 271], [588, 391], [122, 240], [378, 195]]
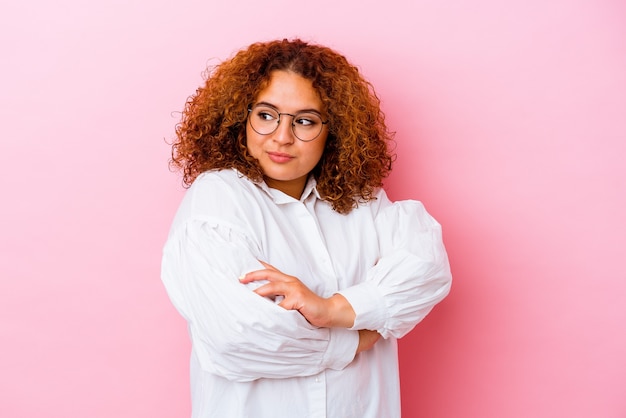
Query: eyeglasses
[[306, 126]]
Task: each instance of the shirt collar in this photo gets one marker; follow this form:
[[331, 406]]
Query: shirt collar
[[310, 188]]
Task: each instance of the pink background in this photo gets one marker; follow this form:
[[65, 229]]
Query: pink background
[[511, 128]]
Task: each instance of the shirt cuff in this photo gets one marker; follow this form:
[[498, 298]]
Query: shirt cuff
[[368, 305], [341, 348]]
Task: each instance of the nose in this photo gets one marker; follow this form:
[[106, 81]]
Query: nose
[[284, 132]]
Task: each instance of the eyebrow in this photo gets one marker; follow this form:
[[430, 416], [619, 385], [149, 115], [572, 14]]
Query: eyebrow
[[298, 111]]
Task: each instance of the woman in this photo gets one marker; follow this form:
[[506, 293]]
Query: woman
[[295, 272]]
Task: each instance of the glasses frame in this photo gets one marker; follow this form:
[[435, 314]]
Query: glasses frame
[[293, 125]]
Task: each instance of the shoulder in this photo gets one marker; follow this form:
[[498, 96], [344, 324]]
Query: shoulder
[[210, 180], [228, 186], [373, 206], [401, 211], [223, 194]]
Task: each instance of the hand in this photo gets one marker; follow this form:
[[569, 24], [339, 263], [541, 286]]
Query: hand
[[334, 311], [367, 339]]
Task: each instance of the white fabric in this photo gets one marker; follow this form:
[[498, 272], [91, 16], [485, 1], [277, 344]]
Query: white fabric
[[252, 358]]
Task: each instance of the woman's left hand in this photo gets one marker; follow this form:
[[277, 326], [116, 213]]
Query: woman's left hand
[[334, 311]]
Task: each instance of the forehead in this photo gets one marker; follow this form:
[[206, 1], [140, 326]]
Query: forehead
[[289, 91]]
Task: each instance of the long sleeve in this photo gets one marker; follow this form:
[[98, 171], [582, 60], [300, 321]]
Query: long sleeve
[[236, 333], [411, 276]]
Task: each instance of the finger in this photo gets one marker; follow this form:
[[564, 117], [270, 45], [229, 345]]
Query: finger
[[269, 290], [266, 274], [288, 304], [268, 266], [257, 275]]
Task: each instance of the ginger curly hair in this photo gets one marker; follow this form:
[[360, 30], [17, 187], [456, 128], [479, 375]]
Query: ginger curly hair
[[212, 132]]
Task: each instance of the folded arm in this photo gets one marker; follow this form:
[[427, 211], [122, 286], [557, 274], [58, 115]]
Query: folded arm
[[332, 312], [236, 333], [411, 276]]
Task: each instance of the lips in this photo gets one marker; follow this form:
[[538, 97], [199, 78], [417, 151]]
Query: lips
[[280, 157]]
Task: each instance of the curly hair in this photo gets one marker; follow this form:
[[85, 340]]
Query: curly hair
[[212, 132]]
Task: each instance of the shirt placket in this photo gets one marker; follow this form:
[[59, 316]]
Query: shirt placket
[[317, 383], [322, 256], [317, 395]]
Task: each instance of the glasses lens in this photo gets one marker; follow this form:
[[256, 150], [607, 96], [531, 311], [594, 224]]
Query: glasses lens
[[306, 126], [264, 120]]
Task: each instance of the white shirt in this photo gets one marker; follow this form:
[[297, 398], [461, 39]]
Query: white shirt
[[252, 358]]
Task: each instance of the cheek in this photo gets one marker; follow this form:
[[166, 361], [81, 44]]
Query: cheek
[[252, 144], [321, 147], [320, 153]]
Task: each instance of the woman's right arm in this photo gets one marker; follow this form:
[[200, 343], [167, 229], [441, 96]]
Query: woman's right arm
[[236, 333]]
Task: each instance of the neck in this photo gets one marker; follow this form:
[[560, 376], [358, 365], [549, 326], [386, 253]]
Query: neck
[[293, 188]]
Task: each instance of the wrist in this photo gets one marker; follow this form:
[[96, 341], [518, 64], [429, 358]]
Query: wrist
[[340, 312], [367, 339]]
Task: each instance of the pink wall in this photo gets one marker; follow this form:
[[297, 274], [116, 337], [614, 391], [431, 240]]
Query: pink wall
[[511, 127]]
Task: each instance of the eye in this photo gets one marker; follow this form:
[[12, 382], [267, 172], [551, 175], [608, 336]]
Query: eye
[[307, 120], [264, 114]]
